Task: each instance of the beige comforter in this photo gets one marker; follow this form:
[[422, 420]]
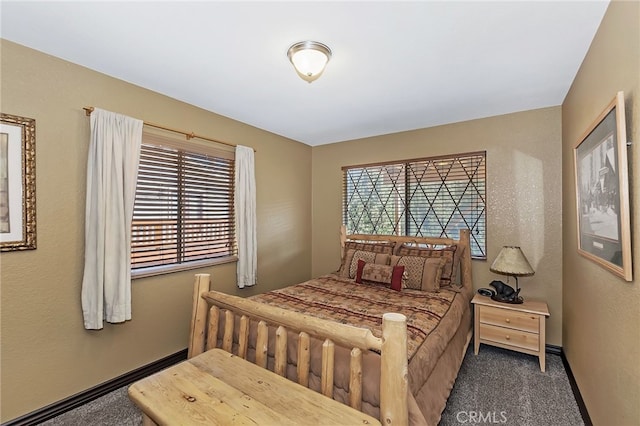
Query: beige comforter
[[432, 321]]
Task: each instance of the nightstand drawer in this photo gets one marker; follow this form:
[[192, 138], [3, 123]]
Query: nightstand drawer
[[506, 336], [508, 318]]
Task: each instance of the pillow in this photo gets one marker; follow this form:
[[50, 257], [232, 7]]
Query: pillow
[[421, 273], [375, 247], [383, 274], [351, 261], [451, 254]]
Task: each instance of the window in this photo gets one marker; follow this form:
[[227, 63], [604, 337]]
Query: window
[[183, 214], [435, 196]]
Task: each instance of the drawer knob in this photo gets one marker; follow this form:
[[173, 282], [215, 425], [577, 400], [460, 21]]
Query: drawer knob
[[508, 320], [508, 337]]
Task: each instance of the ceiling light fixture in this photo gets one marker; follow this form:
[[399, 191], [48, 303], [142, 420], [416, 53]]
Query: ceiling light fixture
[[309, 59]]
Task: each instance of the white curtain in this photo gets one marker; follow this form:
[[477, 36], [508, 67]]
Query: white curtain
[[112, 170], [245, 206]]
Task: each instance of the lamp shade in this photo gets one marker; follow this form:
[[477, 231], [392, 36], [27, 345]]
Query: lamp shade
[[309, 58], [512, 261]]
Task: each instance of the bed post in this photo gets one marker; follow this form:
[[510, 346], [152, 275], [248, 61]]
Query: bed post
[[198, 316], [394, 379], [465, 264], [343, 239]]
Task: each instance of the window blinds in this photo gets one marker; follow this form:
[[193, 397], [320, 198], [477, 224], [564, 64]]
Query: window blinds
[[184, 204]]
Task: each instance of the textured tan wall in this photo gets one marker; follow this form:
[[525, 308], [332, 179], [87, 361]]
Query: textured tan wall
[[46, 353], [524, 204], [601, 323]]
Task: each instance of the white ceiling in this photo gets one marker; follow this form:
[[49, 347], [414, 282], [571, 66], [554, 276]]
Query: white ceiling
[[396, 65]]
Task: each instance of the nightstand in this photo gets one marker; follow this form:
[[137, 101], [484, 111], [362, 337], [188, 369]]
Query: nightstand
[[518, 327]]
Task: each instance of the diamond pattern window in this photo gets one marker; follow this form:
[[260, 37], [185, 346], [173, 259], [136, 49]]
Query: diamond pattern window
[[435, 196]]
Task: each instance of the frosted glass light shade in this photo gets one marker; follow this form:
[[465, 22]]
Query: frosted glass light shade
[[309, 58]]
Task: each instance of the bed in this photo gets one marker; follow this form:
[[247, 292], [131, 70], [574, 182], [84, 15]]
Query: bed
[[327, 333]]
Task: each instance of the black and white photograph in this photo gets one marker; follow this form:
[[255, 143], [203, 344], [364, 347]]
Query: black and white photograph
[[599, 192], [602, 192]]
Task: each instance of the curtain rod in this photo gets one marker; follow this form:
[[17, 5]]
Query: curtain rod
[[189, 136]]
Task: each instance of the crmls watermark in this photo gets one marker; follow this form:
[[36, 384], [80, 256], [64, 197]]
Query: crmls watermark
[[475, 417]]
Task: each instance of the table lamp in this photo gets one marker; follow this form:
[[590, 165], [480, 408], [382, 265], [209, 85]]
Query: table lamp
[[511, 261]]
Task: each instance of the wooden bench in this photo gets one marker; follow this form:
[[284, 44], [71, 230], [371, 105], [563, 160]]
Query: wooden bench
[[218, 388]]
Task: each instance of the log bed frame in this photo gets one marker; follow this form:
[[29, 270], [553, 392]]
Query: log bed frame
[[209, 306], [392, 345]]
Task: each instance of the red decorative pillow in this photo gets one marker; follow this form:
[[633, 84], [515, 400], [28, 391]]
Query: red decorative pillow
[[384, 274]]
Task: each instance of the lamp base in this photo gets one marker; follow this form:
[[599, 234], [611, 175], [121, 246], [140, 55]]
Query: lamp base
[[514, 301]]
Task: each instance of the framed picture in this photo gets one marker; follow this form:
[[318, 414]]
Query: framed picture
[[17, 183], [602, 191]]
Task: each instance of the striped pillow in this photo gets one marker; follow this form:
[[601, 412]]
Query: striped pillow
[[451, 254], [421, 273]]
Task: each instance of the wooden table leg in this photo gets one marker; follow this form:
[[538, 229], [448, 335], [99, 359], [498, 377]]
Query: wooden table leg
[[476, 329], [542, 347]]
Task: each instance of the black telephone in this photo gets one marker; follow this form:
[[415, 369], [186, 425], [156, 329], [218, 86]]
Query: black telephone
[[486, 292], [502, 293]]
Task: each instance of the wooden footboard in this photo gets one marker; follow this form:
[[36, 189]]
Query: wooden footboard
[[210, 306]]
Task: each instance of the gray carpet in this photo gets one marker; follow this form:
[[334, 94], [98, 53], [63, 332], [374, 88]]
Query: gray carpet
[[507, 388], [112, 409], [496, 387]]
